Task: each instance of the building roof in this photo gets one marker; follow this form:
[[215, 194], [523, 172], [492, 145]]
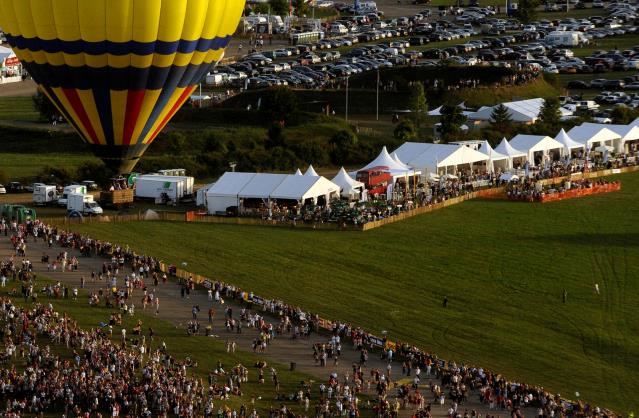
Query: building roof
[[519, 111]]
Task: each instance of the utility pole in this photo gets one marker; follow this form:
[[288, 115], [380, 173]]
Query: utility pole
[[346, 98], [377, 98]]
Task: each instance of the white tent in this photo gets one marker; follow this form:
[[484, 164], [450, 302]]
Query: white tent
[[430, 157], [224, 192], [305, 187], [508, 150], [593, 134], [536, 143], [525, 111], [493, 156], [634, 122], [200, 195], [435, 112], [568, 143], [310, 172], [298, 172], [396, 168], [350, 187], [627, 133], [260, 186], [395, 157], [232, 187]]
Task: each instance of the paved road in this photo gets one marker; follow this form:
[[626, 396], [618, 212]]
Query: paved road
[[177, 310]]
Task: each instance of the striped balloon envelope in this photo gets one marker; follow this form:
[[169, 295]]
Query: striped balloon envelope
[[118, 70]]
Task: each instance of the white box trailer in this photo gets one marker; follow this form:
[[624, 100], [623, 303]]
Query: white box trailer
[[44, 194], [187, 181], [155, 187], [68, 190]]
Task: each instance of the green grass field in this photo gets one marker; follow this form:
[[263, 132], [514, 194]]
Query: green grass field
[[206, 351], [503, 266], [18, 109], [24, 166]]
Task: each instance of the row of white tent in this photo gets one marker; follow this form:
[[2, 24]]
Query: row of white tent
[[414, 159]]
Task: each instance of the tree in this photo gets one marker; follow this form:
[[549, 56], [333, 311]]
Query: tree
[[301, 7], [550, 113], [418, 104], [405, 130], [275, 136], [44, 106], [343, 146], [451, 121], [526, 10], [279, 7], [623, 115], [500, 119], [278, 104]]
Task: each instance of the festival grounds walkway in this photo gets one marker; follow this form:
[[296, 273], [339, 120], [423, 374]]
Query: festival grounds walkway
[[283, 349]]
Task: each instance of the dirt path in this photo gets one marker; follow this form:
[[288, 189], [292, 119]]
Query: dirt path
[[177, 310]]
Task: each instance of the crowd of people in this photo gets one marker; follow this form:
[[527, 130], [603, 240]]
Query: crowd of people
[[530, 190], [102, 373]]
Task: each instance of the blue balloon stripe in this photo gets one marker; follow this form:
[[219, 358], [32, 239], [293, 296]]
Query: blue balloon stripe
[[53, 46], [117, 79]]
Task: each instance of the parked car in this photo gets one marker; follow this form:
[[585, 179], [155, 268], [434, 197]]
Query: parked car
[[2, 189], [15, 187], [578, 84]]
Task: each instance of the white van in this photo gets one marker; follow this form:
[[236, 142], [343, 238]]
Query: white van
[[338, 29]]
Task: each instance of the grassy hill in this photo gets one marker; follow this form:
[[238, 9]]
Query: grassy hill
[[503, 266]]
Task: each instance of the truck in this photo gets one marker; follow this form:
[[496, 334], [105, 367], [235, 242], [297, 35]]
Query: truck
[[162, 189], [44, 194], [74, 188], [83, 203], [375, 179]]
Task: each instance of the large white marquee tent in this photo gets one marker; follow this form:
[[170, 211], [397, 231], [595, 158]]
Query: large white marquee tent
[[494, 157], [593, 135], [433, 157], [232, 187], [532, 144], [523, 111]]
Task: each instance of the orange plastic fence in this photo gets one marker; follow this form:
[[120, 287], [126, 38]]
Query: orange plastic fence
[[571, 194]]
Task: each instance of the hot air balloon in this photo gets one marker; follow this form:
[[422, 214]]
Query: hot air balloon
[[118, 70]]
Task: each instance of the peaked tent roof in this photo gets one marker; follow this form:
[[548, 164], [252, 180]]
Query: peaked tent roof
[[230, 184], [395, 157], [5, 53], [492, 154], [384, 159], [303, 187], [310, 172], [635, 122], [626, 132], [592, 132], [432, 156], [505, 148], [567, 141], [435, 112], [346, 182], [532, 143], [260, 185], [298, 172]]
